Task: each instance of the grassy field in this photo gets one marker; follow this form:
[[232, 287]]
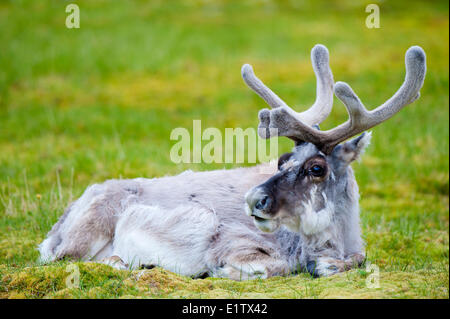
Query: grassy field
[[79, 106]]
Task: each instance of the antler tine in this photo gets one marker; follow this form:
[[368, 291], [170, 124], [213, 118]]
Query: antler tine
[[260, 88], [321, 108], [360, 119], [318, 112]]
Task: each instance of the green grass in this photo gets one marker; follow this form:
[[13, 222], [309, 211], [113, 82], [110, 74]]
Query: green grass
[[82, 105]]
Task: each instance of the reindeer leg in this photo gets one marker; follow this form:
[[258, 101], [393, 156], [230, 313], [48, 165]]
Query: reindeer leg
[[86, 230], [261, 268], [251, 263], [90, 231], [327, 266], [115, 262]]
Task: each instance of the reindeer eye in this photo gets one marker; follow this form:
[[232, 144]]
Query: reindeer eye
[[317, 170]]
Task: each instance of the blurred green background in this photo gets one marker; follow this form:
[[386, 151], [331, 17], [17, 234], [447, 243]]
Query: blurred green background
[[78, 106]]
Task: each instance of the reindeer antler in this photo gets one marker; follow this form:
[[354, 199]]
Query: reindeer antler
[[318, 112], [360, 119]]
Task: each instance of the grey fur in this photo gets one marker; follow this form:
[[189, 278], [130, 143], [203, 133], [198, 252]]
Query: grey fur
[[230, 245]]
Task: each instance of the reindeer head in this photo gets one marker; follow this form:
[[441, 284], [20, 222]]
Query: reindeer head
[[316, 175]]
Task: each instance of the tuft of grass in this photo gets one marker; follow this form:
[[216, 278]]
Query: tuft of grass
[[78, 106]]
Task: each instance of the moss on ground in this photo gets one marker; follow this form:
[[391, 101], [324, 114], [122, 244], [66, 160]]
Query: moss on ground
[[101, 281]]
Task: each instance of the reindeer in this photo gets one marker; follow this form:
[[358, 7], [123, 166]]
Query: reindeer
[[241, 223]]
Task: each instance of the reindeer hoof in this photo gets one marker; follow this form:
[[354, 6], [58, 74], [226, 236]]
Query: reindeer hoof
[[115, 262], [323, 267]]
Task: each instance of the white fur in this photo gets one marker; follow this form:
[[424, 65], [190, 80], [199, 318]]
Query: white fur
[[45, 251], [142, 230], [97, 246], [313, 221]]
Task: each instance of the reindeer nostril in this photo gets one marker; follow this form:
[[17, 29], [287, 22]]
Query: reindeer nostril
[[263, 203]]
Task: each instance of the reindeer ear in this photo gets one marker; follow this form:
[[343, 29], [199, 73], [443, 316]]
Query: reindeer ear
[[353, 149]]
